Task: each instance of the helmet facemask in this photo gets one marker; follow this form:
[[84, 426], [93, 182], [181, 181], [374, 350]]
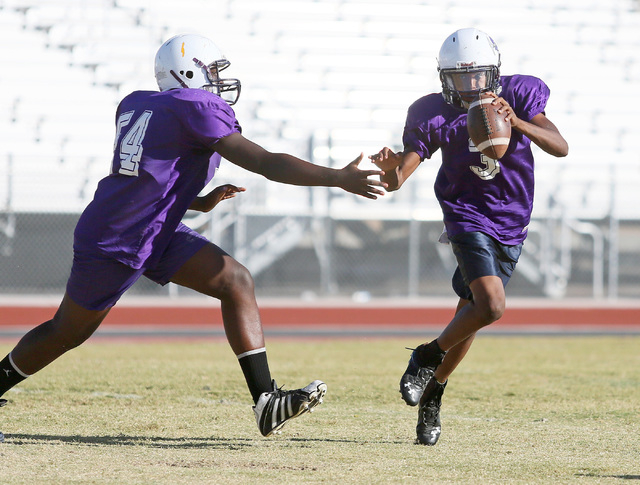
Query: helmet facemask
[[461, 85], [227, 88]]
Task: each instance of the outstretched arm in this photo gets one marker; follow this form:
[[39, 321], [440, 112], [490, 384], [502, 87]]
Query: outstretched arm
[[397, 166], [284, 168], [540, 130]]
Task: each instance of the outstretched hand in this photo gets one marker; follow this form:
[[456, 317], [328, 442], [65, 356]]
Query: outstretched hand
[[386, 159], [357, 181], [213, 198]]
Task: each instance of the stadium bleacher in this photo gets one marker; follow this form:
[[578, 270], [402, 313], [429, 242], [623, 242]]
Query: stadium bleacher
[[305, 66]]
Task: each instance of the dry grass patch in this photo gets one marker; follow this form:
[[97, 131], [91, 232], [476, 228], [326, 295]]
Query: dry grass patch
[[518, 410]]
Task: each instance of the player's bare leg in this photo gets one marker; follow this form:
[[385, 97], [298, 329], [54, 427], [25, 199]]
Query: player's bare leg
[[213, 272], [69, 328], [455, 354], [470, 316], [487, 307], [455, 340], [448, 350]]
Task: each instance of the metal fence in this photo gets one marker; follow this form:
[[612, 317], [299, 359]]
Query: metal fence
[[311, 256]]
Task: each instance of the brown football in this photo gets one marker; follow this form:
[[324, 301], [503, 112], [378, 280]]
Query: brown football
[[488, 130]]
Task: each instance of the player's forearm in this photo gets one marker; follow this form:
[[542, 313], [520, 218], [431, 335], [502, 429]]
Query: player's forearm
[[547, 137], [279, 167], [287, 169], [203, 204], [396, 177], [197, 204], [393, 179]]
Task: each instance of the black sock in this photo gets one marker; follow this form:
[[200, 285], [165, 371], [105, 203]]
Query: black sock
[[9, 375], [430, 355], [256, 372], [433, 389]]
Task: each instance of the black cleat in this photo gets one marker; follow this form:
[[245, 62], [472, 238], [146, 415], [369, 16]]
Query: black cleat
[[414, 381], [275, 408], [429, 428], [416, 377]]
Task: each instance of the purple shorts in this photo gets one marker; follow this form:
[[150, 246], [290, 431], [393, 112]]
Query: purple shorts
[[97, 282]]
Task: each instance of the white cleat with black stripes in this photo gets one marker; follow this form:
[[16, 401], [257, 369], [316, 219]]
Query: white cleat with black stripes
[[275, 408]]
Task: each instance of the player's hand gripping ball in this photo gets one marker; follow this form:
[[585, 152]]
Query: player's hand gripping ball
[[488, 129]]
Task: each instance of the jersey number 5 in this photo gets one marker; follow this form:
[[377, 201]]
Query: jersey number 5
[[130, 150]]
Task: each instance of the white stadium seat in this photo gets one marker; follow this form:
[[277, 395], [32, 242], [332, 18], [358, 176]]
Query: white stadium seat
[[342, 66]]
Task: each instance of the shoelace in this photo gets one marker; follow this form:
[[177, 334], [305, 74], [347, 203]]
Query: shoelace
[[279, 392]]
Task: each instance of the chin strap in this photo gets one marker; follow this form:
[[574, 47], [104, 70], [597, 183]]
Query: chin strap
[[177, 78]]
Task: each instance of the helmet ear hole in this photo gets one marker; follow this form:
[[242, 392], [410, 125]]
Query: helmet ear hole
[[189, 74]]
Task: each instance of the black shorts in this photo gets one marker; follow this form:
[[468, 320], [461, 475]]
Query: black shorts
[[481, 255]]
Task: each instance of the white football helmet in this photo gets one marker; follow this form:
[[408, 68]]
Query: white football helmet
[[468, 63], [193, 61]]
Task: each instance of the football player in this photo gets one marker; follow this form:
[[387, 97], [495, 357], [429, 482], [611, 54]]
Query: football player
[[168, 146], [486, 203]]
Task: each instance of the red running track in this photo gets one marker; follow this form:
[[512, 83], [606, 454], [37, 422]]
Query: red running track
[[520, 314]]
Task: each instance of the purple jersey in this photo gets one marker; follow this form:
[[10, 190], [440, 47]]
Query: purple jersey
[[163, 157], [475, 192]]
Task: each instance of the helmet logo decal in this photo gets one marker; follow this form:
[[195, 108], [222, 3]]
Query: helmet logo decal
[[182, 49], [494, 46]]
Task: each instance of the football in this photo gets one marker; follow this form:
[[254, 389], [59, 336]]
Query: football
[[488, 130]]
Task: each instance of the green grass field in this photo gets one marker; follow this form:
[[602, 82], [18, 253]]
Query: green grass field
[[518, 410]]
